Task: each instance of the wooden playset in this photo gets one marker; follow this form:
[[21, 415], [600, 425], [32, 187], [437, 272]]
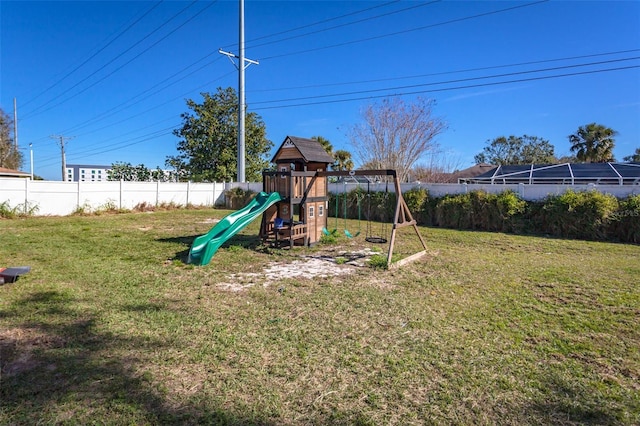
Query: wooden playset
[[301, 179]]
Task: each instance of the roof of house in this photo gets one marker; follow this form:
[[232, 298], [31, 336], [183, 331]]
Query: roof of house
[[566, 173], [473, 171], [310, 149], [4, 172]]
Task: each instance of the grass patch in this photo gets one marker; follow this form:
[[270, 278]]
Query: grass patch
[[111, 326]]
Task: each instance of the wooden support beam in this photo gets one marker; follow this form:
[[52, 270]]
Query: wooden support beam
[[408, 259]]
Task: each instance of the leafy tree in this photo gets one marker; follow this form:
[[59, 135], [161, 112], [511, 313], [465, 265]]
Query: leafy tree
[[517, 150], [139, 173], [342, 161], [635, 157], [593, 143], [567, 159], [208, 148], [395, 134], [10, 157]]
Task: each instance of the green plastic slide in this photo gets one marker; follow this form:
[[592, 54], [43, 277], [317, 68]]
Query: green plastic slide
[[205, 246]]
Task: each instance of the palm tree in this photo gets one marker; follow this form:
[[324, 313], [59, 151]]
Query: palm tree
[[593, 143], [635, 157], [325, 144], [342, 160]]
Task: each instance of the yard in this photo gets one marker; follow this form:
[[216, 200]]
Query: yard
[[112, 327]]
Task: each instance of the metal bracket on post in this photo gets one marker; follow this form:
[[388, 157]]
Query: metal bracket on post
[[232, 56]]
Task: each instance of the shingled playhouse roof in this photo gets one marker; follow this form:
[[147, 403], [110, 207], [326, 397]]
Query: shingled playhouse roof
[[310, 149]]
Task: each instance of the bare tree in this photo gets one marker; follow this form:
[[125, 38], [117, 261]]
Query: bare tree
[[439, 167], [10, 157], [395, 134]]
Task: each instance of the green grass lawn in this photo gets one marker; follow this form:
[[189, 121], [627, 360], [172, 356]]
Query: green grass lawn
[[112, 327]]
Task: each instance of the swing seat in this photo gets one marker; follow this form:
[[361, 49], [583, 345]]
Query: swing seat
[[325, 231], [376, 240], [349, 235]]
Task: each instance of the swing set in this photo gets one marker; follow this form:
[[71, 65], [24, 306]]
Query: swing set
[[402, 217], [348, 234]]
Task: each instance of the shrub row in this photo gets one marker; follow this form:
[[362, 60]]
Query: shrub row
[[589, 215]]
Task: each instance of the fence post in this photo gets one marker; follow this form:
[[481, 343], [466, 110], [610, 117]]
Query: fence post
[[120, 200], [157, 193], [26, 195], [188, 190], [521, 190], [78, 195], [224, 193]]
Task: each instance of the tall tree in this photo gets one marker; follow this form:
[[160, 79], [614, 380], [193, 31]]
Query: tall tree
[[395, 134], [593, 143], [208, 148], [635, 157], [10, 157], [517, 150]]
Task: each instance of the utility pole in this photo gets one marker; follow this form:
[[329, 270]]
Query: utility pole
[[64, 158], [15, 123], [241, 101]]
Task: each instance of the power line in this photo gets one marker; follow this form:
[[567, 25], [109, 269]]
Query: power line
[[116, 109], [455, 20], [395, 88], [408, 77], [451, 88], [169, 130], [109, 43], [454, 81], [347, 24], [39, 110], [315, 23], [147, 111], [424, 27]]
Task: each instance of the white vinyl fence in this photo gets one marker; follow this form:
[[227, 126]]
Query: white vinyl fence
[[63, 198]]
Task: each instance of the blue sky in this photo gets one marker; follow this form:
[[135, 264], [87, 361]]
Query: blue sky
[[113, 76]]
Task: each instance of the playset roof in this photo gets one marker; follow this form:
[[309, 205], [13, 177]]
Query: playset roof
[[311, 150]]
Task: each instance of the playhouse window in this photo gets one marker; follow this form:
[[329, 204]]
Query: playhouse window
[[321, 210], [311, 211], [283, 169]]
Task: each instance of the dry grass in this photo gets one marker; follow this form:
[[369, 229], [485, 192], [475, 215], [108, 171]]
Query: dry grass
[[112, 327]]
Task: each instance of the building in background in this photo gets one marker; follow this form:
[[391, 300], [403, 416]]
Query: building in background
[[9, 173], [86, 173]]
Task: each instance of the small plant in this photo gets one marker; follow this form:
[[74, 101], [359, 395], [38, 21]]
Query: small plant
[[328, 239], [378, 261], [83, 210], [6, 211], [171, 205], [28, 209], [108, 207], [340, 260], [144, 207]]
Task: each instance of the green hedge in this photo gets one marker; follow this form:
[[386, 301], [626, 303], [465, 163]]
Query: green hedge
[[589, 215]]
